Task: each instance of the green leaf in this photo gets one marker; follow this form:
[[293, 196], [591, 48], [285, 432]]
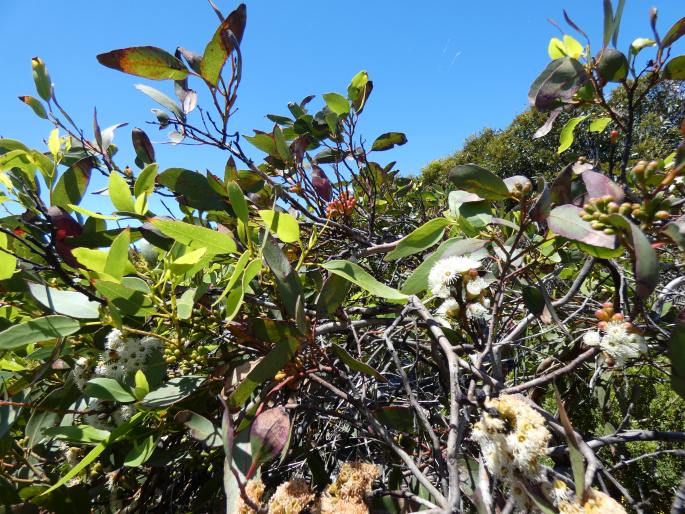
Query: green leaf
[[220, 46], [640, 44], [264, 142], [35, 104], [145, 183], [117, 257], [287, 281], [8, 262], [674, 33], [77, 434], [282, 224], [599, 124], [69, 303], [566, 221], [37, 330], [557, 84], [194, 187], [116, 434], [201, 429], [128, 300], [355, 274], [141, 388], [337, 103], [162, 100], [108, 389], [41, 78], [184, 305], [72, 185], [237, 198], [421, 238], [566, 135], [140, 452], [196, 236], [675, 68], [173, 391], [555, 48], [282, 352], [388, 140], [355, 364], [91, 214], [533, 299], [145, 61], [332, 294], [418, 280], [612, 65], [119, 193], [479, 181], [646, 265], [185, 262]]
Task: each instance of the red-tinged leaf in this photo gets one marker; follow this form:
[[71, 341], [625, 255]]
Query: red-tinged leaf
[[269, 435], [674, 33], [35, 104], [145, 153], [599, 185], [566, 222], [221, 45], [145, 61]]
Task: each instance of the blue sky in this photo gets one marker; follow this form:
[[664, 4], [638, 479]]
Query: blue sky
[[441, 70]]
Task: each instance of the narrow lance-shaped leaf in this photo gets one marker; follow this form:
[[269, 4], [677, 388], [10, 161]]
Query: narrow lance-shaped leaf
[[566, 135], [221, 45], [357, 275], [145, 61], [423, 237], [37, 330]]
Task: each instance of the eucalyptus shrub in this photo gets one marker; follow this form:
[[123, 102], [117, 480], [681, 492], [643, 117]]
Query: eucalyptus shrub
[[316, 333]]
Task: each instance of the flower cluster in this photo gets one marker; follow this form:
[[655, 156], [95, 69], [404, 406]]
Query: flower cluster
[[291, 497], [351, 486], [617, 338], [123, 356], [513, 439], [446, 273], [597, 502], [254, 489]]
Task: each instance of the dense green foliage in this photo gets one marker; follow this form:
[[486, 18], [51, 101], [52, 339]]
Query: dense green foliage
[[315, 333]]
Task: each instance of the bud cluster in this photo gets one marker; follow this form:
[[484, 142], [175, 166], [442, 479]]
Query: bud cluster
[[343, 205]]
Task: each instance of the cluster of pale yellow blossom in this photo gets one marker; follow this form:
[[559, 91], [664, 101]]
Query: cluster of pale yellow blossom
[[513, 440], [344, 496], [445, 273]]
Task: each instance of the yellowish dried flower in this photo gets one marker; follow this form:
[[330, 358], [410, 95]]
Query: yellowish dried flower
[[354, 480], [291, 497], [600, 503], [331, 505], [254, 490]]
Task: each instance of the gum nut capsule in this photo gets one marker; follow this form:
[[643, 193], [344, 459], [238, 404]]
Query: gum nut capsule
[[617, 317], [637, 213], [608, 305], [602, 325], [613, 207], [653, 166], [596, 225], [608, 198], [586, 217], [662, 215], [639, 169], [609, 231], [609, 360], [628, 326], [642, 163]]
